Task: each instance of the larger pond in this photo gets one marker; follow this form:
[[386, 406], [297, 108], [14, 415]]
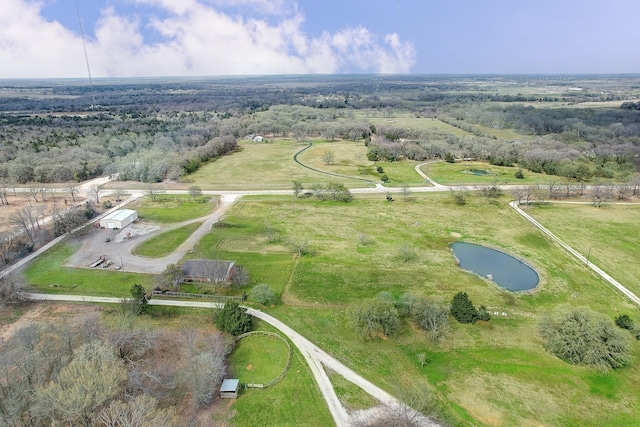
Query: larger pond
[[503, 269]]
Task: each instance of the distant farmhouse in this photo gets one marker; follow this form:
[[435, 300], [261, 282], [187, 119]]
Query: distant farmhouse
[[119, 219], [208, 271]]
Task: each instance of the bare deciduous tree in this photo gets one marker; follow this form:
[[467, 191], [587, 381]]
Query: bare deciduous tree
[[153, 191], [328, 157], [72, 189], [139, 411], [94, 192]]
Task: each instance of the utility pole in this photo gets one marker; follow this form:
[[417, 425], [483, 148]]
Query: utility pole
[[588, 255]]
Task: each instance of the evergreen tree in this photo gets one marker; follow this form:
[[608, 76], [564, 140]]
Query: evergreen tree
[[462, 308], [233, 319], [140, 298]]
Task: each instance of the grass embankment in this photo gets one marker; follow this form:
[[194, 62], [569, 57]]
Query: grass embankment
[[165, 243], [496, 373], [608, 235], [168, 209], [48, 270]]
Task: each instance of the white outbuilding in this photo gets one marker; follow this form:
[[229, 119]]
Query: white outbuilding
[[119, 219]]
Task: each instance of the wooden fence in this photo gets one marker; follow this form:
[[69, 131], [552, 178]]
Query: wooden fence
[[242, 297]]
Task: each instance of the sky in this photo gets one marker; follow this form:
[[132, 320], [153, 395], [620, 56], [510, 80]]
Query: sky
[[149, 38]]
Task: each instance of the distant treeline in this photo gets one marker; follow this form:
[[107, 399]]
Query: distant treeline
[[163, 129]]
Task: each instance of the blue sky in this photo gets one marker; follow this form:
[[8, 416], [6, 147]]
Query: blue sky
[[128, 38]]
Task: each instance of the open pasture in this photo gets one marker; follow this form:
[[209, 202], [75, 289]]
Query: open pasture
[[482, 173], [607, 235], [494, 373], [271, 166]]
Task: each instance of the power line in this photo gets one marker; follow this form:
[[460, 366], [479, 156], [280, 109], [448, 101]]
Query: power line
[[86, 55]]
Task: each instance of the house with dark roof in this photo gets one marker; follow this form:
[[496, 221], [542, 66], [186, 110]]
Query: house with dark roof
[[208, 271]]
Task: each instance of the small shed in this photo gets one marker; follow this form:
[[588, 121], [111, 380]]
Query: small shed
[[119, 219], [208, 271], [229, 389], [258, 138]]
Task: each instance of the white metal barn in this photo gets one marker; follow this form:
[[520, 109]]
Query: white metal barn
[[119, 219]]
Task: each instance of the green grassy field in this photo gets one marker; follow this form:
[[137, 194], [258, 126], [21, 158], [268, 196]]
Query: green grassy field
[[584, 227], [487, 374], [293, 401], [165, 243], [48, 269], [407, 119], [494, 373], [258, 359], [271, 166], [461, 173], [169, 208]]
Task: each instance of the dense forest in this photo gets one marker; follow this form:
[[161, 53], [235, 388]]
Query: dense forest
[[153, 130]]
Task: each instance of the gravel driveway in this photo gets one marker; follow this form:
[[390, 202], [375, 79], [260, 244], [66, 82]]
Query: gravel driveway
[[115, 246]]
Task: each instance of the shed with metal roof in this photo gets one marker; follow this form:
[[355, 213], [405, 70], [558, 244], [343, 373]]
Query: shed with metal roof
[[229, 388]]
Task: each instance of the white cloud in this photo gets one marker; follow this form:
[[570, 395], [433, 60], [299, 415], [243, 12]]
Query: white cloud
[[197, 39]]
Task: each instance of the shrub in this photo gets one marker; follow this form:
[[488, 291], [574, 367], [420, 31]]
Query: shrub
[[371, 318], [431, 317], [263, 294], [384, 177], [462, 308], [483, 313], [449, 158], [379, 169], [519, 174], [624, 321], [581, 336]]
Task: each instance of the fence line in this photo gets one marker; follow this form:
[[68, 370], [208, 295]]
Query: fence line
[[243, 297], [289, 357]]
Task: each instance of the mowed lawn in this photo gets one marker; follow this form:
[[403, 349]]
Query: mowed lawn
[[172, 208], [165, 243], [609, 235], [496, 373], [259, 359], [48, 270]]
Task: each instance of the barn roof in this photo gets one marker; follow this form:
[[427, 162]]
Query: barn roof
[[218, 271]]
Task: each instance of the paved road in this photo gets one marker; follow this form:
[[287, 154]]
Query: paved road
[[314, 355]]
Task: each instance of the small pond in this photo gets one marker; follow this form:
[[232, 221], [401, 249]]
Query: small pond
[[505, 270], [478, 172]]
